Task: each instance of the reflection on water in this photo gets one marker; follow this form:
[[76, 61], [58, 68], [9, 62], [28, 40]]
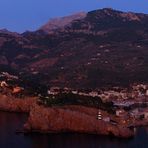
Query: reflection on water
[[146, 130], [9, 122]]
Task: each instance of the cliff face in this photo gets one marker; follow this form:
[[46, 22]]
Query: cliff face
[[16, 105], [78, 119], [70, 120]]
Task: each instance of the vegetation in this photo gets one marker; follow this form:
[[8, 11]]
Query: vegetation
[[74, 99]]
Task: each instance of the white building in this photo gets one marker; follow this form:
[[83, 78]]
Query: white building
[[120, 112], [146, 115], [3, 84], [106, 119], [74, 91], [93, 94], [146, 92]]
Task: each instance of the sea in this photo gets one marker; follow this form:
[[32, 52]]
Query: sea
[[11, 122]]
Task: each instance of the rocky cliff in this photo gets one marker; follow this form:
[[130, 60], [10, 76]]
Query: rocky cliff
[[51, 120], [13, 104]]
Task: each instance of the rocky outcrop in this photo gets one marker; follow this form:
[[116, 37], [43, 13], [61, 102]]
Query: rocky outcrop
[[78, 119], [59, 23], [57, 120], [138, 123], [16, 105]]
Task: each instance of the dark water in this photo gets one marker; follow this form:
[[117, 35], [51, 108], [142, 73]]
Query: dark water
[[9, 122]]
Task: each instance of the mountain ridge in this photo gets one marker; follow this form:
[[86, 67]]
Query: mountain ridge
[[104, 48], [61, 22]]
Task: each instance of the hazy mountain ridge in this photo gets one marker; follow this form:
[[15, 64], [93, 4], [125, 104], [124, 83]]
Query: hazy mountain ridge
[[61, 22], [104, 47]]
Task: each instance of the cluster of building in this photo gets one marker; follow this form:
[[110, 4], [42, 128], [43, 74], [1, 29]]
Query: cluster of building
[[116, 94], [10, 90], [6, 88], [139, 113], [57, 90], [8, 76], [123, 117], [120, 97]]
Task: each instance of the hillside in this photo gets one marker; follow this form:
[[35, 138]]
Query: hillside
[[98, 49]]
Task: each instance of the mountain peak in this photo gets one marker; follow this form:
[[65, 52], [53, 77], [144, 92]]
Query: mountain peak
[[61, 22], [5, 31], [125, 16], [108, 9]]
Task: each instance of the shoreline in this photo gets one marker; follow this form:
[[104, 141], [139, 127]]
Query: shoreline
[[75, 119]]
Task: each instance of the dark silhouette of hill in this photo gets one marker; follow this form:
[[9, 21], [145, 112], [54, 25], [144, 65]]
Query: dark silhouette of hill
[[101, 48]]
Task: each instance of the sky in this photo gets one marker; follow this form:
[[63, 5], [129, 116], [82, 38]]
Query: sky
[[23, 15]]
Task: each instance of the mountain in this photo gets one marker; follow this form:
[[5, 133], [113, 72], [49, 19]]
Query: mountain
[[59, 23], [97, 49]]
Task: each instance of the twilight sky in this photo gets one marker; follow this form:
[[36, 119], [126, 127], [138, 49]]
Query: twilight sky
[[22, 15]]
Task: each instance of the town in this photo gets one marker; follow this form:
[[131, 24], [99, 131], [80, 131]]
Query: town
[[117, 106]]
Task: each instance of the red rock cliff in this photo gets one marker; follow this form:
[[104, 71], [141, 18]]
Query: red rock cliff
[[70, 120], [16, 105]]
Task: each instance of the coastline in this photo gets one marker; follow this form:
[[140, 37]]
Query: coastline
[[77, 119], [12, 104], [58, 120]]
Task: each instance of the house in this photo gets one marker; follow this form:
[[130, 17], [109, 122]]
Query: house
[[17, 90], [74, 91], [146, 115], [120, 112], [53, 91], [50, 92], [3, 84], [134, 113], [140, 113], [146, 92], [106, 119], [93, 94], [83, 94], [113, 122], [66, 90]]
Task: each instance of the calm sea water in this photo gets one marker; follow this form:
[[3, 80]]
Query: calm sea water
[[9, 122]]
